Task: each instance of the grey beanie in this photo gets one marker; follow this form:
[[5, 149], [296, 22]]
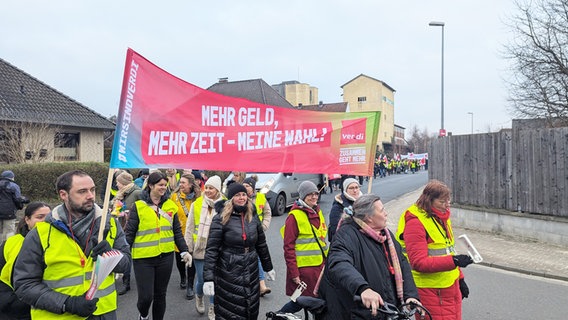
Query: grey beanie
[[306, 188], [349, 181]]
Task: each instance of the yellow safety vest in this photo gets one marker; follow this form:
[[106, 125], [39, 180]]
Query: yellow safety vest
[[196, 216], [65, 274], [439, 247], [11, 250], [260, 202], [308, 252], [155, 233]]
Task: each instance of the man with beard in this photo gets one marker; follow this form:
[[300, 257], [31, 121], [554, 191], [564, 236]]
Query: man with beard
[[54, 273]]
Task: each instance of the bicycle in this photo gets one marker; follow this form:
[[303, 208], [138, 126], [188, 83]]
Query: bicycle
[[315, 308]]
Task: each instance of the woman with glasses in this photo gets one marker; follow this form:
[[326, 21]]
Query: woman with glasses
[[351, 192], [425, 230], [304, 234]]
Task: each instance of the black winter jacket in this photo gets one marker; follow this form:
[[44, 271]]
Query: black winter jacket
[[339, 203], [355, 263], [231, 261], [10, 199]]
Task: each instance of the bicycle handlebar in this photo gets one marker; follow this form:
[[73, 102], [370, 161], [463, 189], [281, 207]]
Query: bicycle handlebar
[[406, 311]]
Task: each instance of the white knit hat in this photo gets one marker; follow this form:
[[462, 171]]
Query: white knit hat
[[215, 182], [349, 181]]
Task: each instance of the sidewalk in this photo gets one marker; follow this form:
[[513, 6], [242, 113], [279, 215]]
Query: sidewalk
[[499, 251]]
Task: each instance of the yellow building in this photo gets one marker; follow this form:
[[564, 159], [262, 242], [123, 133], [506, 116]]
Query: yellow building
[[297, 93], [364, 93]]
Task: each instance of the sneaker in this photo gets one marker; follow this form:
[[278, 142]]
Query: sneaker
[[199, 304], [140, 317], [211, 312]]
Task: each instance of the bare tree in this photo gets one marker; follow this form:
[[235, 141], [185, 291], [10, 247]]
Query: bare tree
[[538, 86], [26, 141], [419, 140]]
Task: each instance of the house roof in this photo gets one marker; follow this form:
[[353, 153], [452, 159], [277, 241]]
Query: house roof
[[364, 75], [25, 98], [326, 107], [256, 90]]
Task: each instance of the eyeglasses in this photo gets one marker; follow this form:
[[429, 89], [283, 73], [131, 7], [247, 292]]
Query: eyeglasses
[[313, 194]]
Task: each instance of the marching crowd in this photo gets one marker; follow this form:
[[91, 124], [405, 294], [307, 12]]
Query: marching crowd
[[214, 233]]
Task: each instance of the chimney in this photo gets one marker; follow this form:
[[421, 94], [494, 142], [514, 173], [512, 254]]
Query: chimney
[[223, 80]]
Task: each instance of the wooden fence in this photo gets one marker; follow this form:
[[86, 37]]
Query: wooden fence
[[520, 169]]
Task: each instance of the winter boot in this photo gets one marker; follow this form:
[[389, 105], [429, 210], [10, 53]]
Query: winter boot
[[189, 294], [199, 304], [211, 312], [125, 286]]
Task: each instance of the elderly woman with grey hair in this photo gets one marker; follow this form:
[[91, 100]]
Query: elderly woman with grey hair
[[365, 261]]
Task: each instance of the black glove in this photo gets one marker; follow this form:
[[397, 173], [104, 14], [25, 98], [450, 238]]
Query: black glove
[[100, 248], [462, 260], [81, 306], [464, 289]]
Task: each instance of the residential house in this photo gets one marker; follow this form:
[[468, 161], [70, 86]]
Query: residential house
[[364, 93], [39, 123], [256, 90], [297, 93]]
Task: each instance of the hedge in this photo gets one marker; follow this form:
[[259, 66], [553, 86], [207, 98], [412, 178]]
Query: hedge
[[37, 181]]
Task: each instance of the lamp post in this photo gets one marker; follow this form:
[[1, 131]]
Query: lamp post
[[441, 24], [471, 113]]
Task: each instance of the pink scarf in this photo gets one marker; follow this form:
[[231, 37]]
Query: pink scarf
[[380, 238]]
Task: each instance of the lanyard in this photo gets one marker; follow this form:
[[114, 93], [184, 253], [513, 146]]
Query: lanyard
[[447, 234], [82, 259]]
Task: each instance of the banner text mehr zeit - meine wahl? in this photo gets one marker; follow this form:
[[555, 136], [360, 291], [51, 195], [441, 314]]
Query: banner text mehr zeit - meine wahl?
[[165, 143]]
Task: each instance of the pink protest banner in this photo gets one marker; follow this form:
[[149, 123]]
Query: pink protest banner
[[165, 122]]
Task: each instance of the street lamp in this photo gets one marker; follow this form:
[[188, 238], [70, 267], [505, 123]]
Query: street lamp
[[471, 113], [441, 24]]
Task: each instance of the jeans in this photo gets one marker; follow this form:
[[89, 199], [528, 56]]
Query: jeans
[[260, 271], [199, 275], [152, 278]]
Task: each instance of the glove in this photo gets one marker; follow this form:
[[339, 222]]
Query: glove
[[462, 260], [209, 288], [100, 249], [187, 259], [464, 289], [271, 275], [80, 306]]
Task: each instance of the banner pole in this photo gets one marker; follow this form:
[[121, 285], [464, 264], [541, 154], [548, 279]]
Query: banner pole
[[105, 204], [370, 186]]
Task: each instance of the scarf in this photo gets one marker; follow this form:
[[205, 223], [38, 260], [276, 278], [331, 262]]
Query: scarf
[[348, 196], [205, 219], [120, 194], [381, 237], [82, 228]]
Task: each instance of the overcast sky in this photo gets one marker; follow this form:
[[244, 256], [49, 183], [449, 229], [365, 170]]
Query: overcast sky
[[79, 48]]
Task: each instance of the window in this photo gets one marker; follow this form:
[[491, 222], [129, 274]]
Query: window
[[66, 146], [361, 99]]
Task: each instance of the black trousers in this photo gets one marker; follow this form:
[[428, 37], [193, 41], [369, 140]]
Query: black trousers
[[185, 273], [152, 278]]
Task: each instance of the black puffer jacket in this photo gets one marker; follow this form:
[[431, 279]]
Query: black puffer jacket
[[339, 203], [231, 261]]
